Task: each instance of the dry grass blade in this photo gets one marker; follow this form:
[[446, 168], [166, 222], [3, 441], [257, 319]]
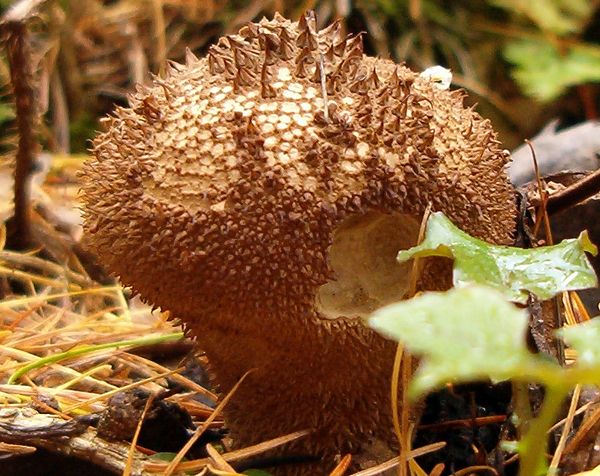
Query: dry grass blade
[[437, 469], [415, 468], [41, 405], [107, 395], [87, 349], [542, 212], [219, 462], [394, 396], [579, 411], [589, 423], [237, 455], [575, 310], [202, 428], [25, 393], [392, 463], [52, 297], [402, 369], [136, 435], [217, 472], [51, 315], [566, 430], [186, 382], [42, 267], [342, 467], [10, 352]]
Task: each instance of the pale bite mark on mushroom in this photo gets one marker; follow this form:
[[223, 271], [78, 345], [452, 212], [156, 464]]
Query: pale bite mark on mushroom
[[232, 193]]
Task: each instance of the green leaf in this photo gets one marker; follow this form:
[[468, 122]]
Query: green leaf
[[543, 271], [544, 72], [464, 334], [585, 339], [256, 472]]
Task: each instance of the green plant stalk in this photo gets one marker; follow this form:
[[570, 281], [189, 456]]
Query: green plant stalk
[[580, 375], [532, 448], [522, 406], [86, 349]]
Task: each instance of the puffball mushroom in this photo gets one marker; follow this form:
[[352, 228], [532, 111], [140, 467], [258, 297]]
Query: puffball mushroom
[[262, 193]]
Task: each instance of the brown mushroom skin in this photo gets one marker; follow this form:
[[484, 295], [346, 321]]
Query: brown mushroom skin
[[261, 191]]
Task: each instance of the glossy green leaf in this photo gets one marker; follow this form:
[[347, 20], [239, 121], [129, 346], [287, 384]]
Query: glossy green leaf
[[464, 334], [585, 339], [544, 72], [543, 271], [256, 472]]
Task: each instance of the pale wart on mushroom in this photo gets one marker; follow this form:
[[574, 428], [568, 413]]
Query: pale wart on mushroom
[[264, 190]]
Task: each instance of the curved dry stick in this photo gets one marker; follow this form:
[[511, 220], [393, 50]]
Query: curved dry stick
[[574, 194], [14, 29]]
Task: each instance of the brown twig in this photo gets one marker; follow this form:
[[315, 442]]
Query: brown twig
[[14, 31], [574, 194], [26, 426], [464, 423], [543, 209]]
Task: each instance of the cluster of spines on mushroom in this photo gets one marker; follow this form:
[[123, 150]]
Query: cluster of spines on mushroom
[[301, 123], [260, 55]]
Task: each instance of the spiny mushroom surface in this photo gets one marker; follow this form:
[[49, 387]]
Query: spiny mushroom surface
[[261, 191]]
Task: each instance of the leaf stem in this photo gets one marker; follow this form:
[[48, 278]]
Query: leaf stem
[[532, 448]]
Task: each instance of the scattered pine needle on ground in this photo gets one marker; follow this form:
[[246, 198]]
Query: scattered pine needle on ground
[[69, 344]]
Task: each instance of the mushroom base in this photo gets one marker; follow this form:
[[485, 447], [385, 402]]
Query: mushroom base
[[331, 376], [331, 379]]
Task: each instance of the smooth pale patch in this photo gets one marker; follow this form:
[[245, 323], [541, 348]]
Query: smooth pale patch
[[367, 275]]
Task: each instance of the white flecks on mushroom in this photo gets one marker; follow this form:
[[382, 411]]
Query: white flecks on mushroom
[[284, 74]]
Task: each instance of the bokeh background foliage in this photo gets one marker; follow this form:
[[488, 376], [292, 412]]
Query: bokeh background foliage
[[524, 62]]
